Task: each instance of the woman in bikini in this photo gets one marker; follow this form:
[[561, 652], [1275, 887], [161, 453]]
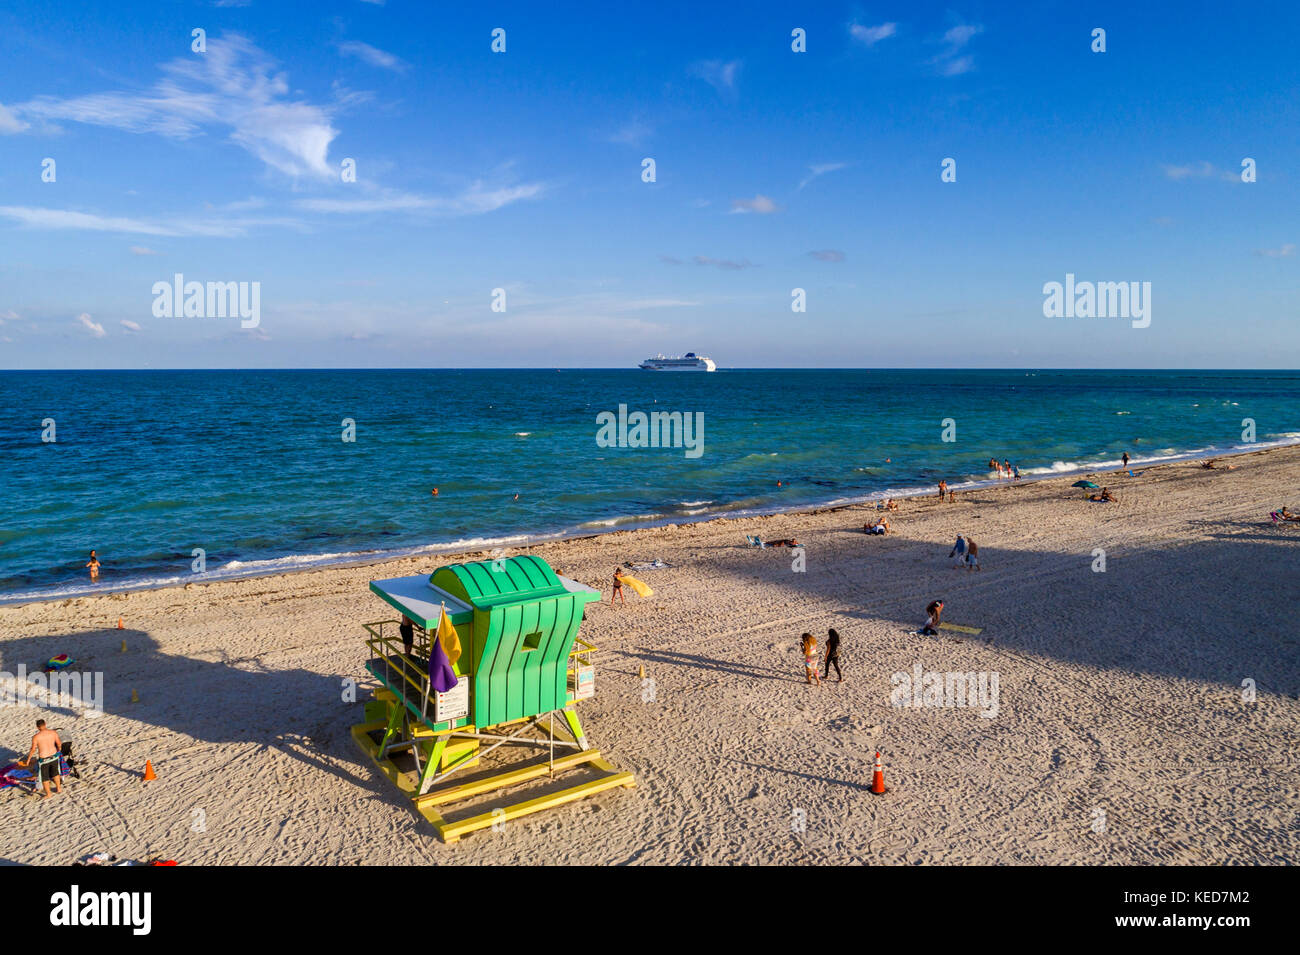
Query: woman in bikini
[[808, 644]]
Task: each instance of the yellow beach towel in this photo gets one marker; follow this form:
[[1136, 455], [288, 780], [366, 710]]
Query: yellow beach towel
[[959, 629], [640, 586]]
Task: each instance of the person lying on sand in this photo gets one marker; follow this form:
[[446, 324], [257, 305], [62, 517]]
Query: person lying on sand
[[784, 542], [1287, 515], [1211, 466], [1105, 496], [880, 527]]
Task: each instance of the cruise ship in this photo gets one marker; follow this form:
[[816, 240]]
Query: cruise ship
[[688, 362]]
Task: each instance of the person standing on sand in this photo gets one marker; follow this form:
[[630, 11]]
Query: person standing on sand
[[958, 551], [934, 609], [618, 587], [94, 567], [1124, 458], [943, 489], [809, 646], [45, 748], [972, 555], [833, 655]]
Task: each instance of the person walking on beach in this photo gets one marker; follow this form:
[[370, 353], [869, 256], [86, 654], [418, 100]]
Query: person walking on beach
[[934, 610], [833, 655], [972, 555], [809, 646], [943, 489], [1124, 458], [94, 567], [618, 587], [45, 748], [958, 551]]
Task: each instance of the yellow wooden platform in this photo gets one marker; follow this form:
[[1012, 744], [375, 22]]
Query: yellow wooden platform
[[451, 791]]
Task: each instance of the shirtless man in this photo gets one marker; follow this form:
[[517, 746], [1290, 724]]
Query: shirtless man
[[45, 747]]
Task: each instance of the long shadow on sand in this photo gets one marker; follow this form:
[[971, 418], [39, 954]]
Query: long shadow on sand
[[1145, 614], [298, 712]]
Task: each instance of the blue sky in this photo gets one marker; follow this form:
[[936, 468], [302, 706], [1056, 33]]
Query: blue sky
[[522, 170]]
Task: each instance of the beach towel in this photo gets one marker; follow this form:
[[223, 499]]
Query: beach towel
[[655, 564], [15, 775], [640, 586], [60, 661]]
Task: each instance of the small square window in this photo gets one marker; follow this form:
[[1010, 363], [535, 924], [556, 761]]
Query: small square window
[[532, 641]]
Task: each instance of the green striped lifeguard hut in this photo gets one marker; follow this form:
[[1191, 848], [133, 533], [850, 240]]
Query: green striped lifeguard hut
[[521, 672]]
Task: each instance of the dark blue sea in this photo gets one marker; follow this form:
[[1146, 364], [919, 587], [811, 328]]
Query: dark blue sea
[[251, 467]]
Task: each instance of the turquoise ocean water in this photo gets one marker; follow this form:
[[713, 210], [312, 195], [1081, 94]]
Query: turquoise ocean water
[[250, 465]]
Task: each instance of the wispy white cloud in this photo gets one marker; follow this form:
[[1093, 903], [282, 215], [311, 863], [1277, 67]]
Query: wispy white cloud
[[760, 204], [959, 36], [129, 325], [9, 122], [828, 255], [43, 218], [632, 133], [142, 250], [1285, 252], [475, 200], [821, 169], [233, 85], [1199, 170], [721, 76], [95, 329], [373, 55], [727, 265], [870, 36], [952, 61]]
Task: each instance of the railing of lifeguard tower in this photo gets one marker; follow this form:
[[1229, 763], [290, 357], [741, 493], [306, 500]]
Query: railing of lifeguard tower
[[393, 653]]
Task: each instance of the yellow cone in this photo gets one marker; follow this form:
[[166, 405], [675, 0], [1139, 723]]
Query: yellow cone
[[135, 697]]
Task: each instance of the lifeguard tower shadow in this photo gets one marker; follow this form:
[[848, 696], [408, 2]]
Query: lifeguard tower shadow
[[295, 712]]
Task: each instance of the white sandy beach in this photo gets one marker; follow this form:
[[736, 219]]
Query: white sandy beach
[[1120, 703]]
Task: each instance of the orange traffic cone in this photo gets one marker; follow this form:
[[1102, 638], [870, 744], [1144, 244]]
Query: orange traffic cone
[[878, 779], [148, 770], [119, 623]]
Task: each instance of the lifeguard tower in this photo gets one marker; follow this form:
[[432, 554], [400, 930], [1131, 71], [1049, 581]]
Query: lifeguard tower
[[521, 673]]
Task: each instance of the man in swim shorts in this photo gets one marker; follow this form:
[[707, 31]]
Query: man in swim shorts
[[45, 748], [972, 555]]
